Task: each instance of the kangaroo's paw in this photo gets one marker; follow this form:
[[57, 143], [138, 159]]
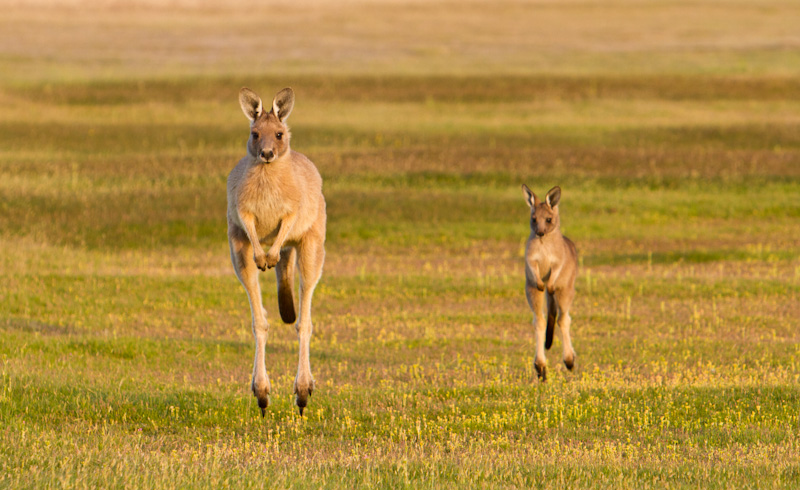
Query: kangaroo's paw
[[272, 259], [261, 260], [303, 390]]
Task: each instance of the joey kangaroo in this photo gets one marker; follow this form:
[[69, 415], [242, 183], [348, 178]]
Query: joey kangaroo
[[275, 198], [551, 265]]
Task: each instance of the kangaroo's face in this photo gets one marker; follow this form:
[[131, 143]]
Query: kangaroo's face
[[544, 219], [544, 214], [269, 138], [269, 135]]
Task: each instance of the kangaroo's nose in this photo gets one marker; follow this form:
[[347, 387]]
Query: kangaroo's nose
[[540, 233], [267, 155]]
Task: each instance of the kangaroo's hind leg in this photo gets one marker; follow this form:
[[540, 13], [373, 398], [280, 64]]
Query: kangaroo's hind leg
[[536, 300], [563, 301], [247, 272], [311, 257]]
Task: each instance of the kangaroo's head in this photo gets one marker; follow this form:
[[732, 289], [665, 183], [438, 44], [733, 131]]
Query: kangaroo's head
[[269, 134], [544, 214]]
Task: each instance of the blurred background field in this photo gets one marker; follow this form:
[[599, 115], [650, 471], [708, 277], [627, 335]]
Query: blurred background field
[[672, 127]]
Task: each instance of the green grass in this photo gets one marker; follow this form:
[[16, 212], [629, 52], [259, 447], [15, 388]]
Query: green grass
[[125, 343]]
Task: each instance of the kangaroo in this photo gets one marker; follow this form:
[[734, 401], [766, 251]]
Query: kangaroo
[[275, 198], [551, 265]]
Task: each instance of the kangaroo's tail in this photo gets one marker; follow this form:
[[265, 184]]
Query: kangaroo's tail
[[551, 320], [285, 275]]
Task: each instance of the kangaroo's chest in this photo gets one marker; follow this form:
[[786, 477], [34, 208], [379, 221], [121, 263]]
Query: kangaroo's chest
[[267, 205], [543, 256], [544, 263], [268, 214]]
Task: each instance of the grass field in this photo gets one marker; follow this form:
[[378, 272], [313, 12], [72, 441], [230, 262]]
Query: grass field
[[672, 127]]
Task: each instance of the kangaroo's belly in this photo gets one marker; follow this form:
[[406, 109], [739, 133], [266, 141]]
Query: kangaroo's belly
[[269, 217]]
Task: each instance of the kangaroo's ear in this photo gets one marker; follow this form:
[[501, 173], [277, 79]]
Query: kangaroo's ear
[[530, 197], [553, 196], [283, 103], [251, 104]]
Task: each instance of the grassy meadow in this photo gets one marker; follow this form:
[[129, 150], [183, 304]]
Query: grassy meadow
[[672, 127]]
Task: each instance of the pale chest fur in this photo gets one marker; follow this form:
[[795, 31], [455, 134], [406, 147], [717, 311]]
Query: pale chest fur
[[263, 196], [268, 209], [544, 253]]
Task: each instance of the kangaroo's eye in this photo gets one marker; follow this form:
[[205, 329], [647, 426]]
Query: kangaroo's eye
[[549, 220], [279, 135], [254, 134], [533, 220]]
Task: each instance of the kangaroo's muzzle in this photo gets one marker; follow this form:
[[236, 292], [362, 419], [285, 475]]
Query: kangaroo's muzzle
[[267, 156]]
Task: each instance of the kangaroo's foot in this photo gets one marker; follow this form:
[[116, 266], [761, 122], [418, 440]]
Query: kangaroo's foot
[[569, 360], [261, 389], [541, 369], [303, 387]]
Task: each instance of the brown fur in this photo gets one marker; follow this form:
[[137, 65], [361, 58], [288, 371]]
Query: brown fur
[[551, 266], [275, 198], [551, 322]]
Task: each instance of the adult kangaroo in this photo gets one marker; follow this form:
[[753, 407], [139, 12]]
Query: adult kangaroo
[[275, 199], [551, 266]]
